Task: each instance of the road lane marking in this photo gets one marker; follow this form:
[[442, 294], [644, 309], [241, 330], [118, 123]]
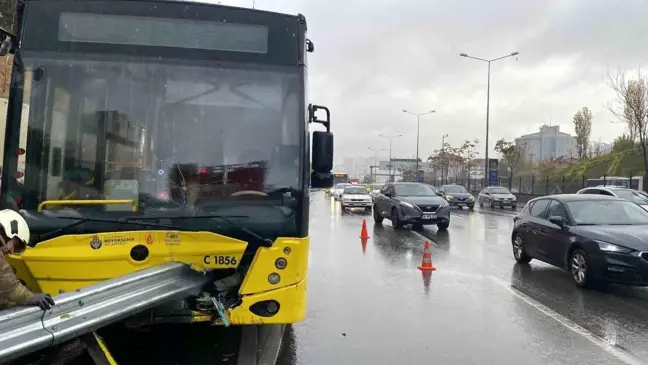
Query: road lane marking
[[615, 351], [459, 216]]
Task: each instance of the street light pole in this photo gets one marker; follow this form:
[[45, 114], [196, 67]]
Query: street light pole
[[443, 156], [418, 130], [488, 97], [391, 167]]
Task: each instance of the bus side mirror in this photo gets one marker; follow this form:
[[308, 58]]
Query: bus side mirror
[[322, 151], [322, 163]]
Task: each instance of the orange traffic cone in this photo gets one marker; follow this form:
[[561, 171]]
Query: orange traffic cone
[[363, 233], [363, 242], [427, 259]]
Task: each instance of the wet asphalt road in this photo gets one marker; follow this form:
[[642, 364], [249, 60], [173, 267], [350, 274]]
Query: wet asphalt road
[[371, 305]]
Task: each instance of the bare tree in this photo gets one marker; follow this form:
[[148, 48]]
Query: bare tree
[[583, 129], [408, 171], [631, 107], [511, 154]]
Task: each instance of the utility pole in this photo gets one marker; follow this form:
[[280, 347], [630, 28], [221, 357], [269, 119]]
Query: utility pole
[[443, 155], [418, 129], [486, 167]]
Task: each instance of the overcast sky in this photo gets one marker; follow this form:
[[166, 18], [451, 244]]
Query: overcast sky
[[374, 58]]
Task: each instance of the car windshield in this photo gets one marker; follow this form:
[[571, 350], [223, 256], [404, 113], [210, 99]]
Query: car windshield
[[456, 189], [341, 186], [602, 212], [413, 190], [634, 196], [355, 190], [499, 190]]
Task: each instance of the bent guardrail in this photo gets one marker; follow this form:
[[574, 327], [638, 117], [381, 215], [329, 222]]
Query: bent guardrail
[[29, 329]]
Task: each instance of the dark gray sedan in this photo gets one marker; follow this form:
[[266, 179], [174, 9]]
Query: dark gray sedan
[[457, 195], [411, 203]]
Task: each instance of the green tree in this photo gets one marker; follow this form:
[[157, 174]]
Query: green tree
[[511, 155], [583, 129], [631, 107], [623, 143], [468, 154], [446, 161]]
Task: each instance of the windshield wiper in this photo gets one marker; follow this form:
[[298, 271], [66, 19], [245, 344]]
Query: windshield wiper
[[268, 242], [102, 220]]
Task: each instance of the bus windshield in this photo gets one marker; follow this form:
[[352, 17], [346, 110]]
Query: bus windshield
[[166, 132]]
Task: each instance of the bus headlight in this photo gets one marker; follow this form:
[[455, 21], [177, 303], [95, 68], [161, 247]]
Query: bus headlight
[[274, 278], [281, 263]]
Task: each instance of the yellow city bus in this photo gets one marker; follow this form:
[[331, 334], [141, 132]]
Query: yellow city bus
[[164, 131]]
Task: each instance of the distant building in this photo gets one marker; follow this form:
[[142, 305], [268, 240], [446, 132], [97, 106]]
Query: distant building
[[547, 144], [599, 148]]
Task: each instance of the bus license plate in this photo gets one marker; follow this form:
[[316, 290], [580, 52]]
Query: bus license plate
[[429, 216]]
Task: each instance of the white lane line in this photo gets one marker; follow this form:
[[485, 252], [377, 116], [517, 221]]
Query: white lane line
[[459, 216], [617, 352]]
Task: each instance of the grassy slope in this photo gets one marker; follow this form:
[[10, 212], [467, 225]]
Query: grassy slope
[[627, 163]]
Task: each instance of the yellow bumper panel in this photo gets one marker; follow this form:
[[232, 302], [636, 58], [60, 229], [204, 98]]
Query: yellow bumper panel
[[71, 262], [292, 306], [293, 250]]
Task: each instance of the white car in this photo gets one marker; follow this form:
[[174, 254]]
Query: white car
[[356, 197], [635, 196], [497, 196], [338, 189]]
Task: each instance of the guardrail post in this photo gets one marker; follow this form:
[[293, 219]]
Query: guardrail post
[[532, 184], [563, 185], [547, 186]]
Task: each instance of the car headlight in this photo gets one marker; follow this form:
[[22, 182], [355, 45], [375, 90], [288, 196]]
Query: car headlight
[[472, 197], [407, 204], [610, 247], [448, 197]]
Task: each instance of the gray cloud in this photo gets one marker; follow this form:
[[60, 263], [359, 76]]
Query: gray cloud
[[375, 58]]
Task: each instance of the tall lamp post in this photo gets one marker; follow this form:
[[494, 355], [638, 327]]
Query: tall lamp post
[[488, 96], [375, 151], [391, 168], [443, 156], [418, 129]]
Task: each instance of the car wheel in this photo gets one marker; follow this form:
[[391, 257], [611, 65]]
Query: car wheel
[[376, 216], [514, 207], [518, 251], [342, 207], [481, 204], [443, 226], [367, 209], [471, 207], [492, 205], [396, 223], [579, 268]]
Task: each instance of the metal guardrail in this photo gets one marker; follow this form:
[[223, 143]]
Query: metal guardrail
[[29, 329]]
